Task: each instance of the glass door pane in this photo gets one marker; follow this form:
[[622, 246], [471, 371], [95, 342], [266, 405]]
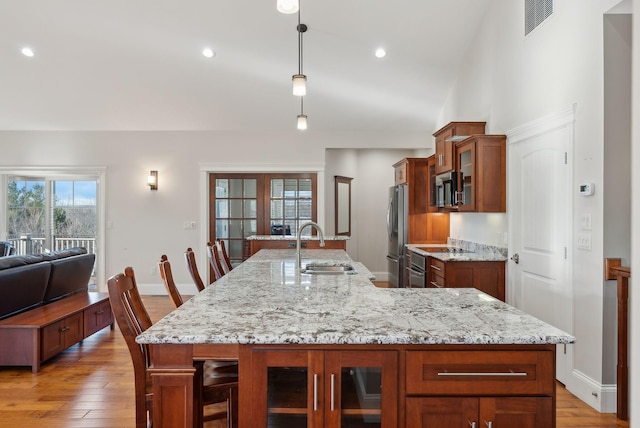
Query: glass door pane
[[236, 212], [466, 177], [361, 393], [287, 397]]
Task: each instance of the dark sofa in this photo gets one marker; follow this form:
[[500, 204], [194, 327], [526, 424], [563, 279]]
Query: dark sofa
[[30, 281]]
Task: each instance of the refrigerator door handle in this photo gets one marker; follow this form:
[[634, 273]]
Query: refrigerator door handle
[[389, 211], [393, 259]]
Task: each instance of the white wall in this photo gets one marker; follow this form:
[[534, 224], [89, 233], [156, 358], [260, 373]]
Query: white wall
[[509, 80], [372, 173], [141, 224]]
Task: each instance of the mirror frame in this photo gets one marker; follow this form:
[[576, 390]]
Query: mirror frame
[[343, 205]]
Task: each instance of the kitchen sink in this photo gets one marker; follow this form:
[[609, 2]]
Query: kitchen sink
[[329, 270]]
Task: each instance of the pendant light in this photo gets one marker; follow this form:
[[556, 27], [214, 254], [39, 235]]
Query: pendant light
[[300, 80], [287, 6], [302, 118]]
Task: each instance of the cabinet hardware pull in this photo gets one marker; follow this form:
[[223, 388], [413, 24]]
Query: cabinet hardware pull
[[435, 267], [333, 379], [472, 424], [435, 284], [99, 312], [506, 374], [489, 424], [315, 392]]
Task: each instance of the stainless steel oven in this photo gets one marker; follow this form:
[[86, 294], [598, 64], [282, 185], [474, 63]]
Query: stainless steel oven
[[416, 270]]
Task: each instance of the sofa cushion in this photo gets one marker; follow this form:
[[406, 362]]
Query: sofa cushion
[[23, 287], [60, 254], [69, 275], [13, 261]]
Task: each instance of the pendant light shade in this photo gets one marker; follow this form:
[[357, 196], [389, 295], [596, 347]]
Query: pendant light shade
[[299, 85], [302, 121], [287, 6]]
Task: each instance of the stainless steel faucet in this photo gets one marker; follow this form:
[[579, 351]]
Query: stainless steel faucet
[[298, 244]]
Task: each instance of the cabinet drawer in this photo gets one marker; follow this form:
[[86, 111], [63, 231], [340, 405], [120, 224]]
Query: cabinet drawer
[[436, 265], [437, 281], [480, 373]]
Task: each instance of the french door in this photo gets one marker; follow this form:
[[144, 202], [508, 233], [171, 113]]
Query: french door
[[242, 205]]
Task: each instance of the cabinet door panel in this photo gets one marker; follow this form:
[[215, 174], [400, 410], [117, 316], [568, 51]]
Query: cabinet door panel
[[535, 412], [441, 412], [74, 332], [52, 340], [361, 389], [287, 389], [97, 317]]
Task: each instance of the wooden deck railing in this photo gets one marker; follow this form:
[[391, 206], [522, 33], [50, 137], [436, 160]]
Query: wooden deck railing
[[615, 270]]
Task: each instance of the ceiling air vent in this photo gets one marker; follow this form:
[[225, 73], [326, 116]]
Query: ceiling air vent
[[536, 11]]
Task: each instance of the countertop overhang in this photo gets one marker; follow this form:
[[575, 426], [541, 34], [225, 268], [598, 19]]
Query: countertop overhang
[[293, 238], [432, 250], [265, 300]]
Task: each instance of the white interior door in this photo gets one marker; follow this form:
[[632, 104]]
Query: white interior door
[[539, 198]]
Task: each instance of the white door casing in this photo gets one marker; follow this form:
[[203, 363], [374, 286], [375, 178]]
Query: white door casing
[[539, 215]]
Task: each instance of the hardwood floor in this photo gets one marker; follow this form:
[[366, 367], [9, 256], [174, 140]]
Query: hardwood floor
[[91, 385]]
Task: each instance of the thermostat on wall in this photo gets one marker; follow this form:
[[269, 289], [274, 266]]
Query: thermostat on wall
[[587, 189]]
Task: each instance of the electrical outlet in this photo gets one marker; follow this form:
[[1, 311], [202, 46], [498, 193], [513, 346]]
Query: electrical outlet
[[585, 222], [189, 225]]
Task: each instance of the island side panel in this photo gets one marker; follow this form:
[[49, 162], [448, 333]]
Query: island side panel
[[283, 244], [176, 400]]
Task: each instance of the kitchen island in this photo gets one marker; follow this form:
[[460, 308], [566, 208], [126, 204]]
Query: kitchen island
[[352, 352]]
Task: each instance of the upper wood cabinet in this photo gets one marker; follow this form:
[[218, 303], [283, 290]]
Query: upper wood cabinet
[[482, 170], [413, 172], [446, 138]]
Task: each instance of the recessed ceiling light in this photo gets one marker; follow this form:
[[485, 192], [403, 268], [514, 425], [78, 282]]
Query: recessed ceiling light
[[27, 51], [208, 52], [380, 53]]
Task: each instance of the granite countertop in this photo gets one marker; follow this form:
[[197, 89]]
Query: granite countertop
[[266, 301], [477, 253], [293, 238]]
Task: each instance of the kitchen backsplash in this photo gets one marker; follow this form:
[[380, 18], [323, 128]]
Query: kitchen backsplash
[[477, 248]]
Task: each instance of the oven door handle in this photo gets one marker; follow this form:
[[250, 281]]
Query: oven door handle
[[415, 271]]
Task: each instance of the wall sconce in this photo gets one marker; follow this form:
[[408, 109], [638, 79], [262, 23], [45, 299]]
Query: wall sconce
[[152, 180]]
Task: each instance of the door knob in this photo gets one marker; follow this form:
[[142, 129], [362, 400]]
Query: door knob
[[516, 258]]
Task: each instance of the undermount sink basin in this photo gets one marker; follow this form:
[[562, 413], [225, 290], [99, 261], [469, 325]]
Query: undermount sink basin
[[330, 270]]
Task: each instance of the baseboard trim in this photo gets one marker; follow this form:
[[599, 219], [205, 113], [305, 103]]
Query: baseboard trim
[[601, 397], [381, 276]]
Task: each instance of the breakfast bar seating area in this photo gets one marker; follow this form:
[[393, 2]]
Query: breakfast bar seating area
[[360, 355]]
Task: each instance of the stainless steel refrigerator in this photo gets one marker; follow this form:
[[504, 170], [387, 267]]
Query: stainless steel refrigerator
[[397, 213]]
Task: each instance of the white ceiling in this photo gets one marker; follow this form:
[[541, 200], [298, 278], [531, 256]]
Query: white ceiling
[[137, 64]]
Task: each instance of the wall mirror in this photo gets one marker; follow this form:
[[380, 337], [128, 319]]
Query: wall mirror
[[343, 205]]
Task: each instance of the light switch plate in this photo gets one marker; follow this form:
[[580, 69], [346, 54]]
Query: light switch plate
[[584, 241], [585, 222]]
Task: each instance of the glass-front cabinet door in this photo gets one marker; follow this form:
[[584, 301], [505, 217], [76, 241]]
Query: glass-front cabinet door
[[294, 389], [466, 177], [354, 385]]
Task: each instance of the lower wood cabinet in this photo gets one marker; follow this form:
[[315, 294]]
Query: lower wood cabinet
[[479, 412], [34, 336], [488, 276], [311, 388], [60, 335], [410, 386], [97, 317]]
